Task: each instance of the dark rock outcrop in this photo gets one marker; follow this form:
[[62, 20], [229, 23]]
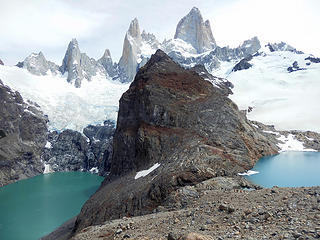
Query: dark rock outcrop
[[294, 67], [313, 59], [71, 151], [174, 119], [1, 63], [23, 134], [243, 64]]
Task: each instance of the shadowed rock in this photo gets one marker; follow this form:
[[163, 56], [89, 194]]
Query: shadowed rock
[[23, 133], [173, 117]]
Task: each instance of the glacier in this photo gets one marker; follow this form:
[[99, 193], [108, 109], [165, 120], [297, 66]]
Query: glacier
[[67, 107]]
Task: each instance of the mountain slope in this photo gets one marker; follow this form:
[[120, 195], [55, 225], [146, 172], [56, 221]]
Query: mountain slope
[[174, 129], [274, 95], [67, 107]]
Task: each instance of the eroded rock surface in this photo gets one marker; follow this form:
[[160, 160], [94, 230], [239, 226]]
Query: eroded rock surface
[[171, 117]]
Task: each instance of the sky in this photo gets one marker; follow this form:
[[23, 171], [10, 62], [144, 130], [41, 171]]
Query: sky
[[28, 26]]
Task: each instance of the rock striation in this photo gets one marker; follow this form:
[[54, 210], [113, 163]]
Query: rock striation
[[37, 64], [173, 121], [193, 30], [23, 134]]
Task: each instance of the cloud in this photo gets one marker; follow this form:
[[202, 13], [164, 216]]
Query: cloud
[[48, 26]]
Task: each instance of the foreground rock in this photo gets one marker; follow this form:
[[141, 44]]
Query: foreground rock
[[171, 118], [277, 213], [23, 134]]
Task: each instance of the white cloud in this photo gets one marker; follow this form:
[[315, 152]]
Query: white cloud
[[48, 26]]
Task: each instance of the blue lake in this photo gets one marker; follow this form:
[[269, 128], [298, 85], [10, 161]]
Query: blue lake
[[288, 169], [32, 208]]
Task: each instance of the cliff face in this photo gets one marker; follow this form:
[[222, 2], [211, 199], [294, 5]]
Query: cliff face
[[174, 119], [23, 135], [193, 30]]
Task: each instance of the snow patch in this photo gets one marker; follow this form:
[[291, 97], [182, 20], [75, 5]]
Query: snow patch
[[144, 173], [271, 132], [290, 143], [248, 173], [47, 169], [94, 170], [48, 145]]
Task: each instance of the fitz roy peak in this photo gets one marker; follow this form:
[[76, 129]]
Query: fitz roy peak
[[193, 44], [193, 30]]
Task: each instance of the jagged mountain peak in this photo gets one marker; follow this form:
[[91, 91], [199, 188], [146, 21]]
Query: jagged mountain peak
[[37, 64], [106, 54], [193, 30], [134, 29], [78, 65]]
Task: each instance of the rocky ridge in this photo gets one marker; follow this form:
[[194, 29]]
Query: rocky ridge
[[37, 64], [23, 134], [174, 119], [193, 44]]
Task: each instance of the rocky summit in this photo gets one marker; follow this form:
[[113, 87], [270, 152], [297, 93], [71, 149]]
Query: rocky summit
[[193, 30], [23, 133], [174, 129], [37, 64]]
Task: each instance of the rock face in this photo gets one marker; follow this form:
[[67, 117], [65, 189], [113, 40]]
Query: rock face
[[193, 30], [243, 64], [1, 63], [131, 49], [174, 121], [106, 62], [78, 65], [23, 134], [133, 53], [71, 151], [37, 64]]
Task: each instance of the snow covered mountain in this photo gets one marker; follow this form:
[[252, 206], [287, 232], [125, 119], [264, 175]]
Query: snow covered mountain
[[276, 83]]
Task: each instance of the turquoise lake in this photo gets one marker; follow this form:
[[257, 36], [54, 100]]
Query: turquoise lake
[[288, 169], [32, 208]]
